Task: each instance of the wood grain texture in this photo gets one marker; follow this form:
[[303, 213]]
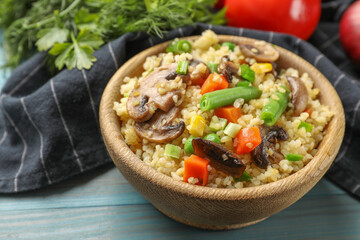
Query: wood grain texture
[[219, 208], [324, 213]]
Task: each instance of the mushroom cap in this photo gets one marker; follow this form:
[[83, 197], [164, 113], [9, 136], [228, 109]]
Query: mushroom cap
[[268, 137], [261, 53], [221, 158], [147, 97], [228, 68], [161, 127], [198, 71]]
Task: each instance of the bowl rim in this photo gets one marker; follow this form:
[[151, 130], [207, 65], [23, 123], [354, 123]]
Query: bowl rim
[[318, 165]]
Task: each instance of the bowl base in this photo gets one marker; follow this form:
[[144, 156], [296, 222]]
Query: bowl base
[[212, 227]]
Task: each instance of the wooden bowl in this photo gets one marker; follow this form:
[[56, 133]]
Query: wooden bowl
[[213, 208]]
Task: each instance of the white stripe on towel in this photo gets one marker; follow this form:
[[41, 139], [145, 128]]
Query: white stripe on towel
[[348, 140], [41, 140], [23, 141], [113, 55], [90, 96], [65, 126], [338, 80], [3, 137], [26, 78], [317, 59]]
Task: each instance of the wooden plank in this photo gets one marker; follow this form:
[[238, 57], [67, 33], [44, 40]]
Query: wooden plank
[[324, 217], [101, 187]]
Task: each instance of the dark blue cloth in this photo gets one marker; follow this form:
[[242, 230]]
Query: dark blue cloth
[[49, 125]]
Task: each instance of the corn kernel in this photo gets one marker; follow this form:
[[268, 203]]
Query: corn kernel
[[197, 126], [260, 68]]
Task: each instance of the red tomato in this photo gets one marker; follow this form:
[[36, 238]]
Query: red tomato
[[296, 17], [350, 32]]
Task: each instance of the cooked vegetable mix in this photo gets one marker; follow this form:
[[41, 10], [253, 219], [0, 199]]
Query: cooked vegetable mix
[[206, 116]]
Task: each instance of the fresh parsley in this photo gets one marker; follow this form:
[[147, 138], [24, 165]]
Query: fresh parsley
[[71, 30]]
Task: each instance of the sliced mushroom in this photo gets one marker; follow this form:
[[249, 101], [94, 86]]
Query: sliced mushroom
[[220, 158], [261, 53], [269, 136], [228, 68], [161, 127], [146, 97], [299, 94], [198, 71]]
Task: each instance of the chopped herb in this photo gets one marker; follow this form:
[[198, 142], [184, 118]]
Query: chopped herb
[[213, 67], [245, 177], [308, 127], [247, 73], [232, 129], [172, 151], [182, 67], [294, 157], [230, 45], [217, 125]]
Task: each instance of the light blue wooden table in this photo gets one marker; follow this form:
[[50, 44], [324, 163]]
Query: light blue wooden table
[[102, 205]]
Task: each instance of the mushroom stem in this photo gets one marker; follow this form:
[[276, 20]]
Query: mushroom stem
[[299, 94]]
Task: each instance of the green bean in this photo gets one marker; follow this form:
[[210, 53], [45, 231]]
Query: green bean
[[225, 97], [181, 46], [213, 67], [272, 111], [243, 84]]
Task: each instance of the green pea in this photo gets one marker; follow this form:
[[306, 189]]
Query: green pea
[[230, 45], [212, 137], [188, 147]]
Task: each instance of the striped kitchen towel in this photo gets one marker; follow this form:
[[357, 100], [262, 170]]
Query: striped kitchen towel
[[49, 125]]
